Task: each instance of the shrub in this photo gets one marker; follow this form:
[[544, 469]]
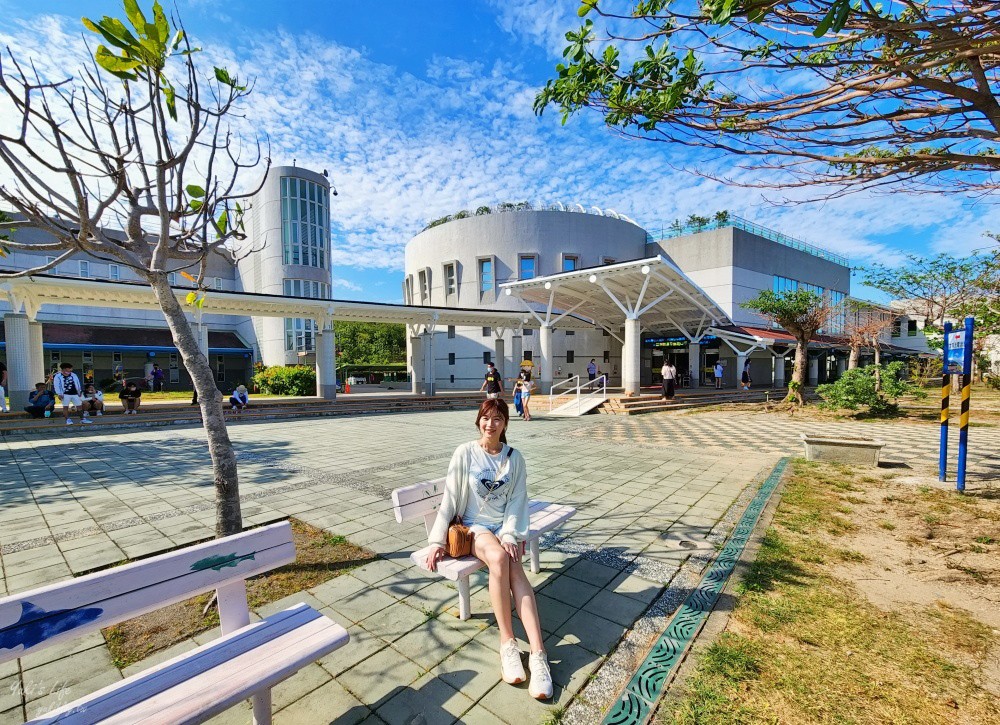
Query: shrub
[[858, 388], [286, 380]]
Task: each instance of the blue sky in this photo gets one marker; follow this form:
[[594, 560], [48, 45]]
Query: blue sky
[[422, 109]]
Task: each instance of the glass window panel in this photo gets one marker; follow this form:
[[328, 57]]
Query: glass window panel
[[527, 267]]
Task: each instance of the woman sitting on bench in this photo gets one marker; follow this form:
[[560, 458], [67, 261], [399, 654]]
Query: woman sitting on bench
[[487, 488]]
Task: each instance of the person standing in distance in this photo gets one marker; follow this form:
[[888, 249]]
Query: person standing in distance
[[493, 385], [69, 390], [592, 370], [717, 371], [669, 373]]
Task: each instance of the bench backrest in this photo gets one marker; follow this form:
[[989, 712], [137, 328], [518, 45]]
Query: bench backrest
[[419, 501], [41, 617]]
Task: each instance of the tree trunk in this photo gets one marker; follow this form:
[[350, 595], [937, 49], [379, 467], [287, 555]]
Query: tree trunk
[[228, 519], [796, 391], [878, 371], [852, 361]]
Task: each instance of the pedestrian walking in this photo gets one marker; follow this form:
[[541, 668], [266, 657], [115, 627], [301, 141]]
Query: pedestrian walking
[[745, 377], [669, 373], [70, 391], [524, 385], [717, 372], [492, 384]]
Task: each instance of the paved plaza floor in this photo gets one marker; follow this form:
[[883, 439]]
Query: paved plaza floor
[[649, 492]]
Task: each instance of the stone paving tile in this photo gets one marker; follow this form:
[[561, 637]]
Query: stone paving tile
[[374, 680], [473, 670], [329, 703], [427, 700]]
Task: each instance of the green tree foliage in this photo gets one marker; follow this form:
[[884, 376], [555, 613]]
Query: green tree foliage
[[370, 343], [286, 380], [875, 387], [854, 93], [801, 313], [944, 287]]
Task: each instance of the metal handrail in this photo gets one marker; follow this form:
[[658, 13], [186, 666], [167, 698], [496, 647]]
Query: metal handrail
[[552, 390]]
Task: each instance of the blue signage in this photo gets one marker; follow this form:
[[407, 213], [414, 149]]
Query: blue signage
[[955, 352]]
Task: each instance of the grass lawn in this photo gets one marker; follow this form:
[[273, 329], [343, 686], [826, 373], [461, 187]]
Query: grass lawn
[[870, 601], [319, 557]]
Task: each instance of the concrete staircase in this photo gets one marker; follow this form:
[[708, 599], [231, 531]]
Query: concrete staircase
[[163, 413], [621, 405]]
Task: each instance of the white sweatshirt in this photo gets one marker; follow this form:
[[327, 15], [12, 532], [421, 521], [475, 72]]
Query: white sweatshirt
[[498, 497]]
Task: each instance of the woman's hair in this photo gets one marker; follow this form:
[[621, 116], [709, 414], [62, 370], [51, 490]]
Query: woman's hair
[[526, 374], [495, 405]]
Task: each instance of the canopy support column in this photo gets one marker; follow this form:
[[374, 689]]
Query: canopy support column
[[516, 351], [631, 357], [38, 363], [694, 363], [428, 349], [813, 370], [741, 361], [545, 351], [779, 371], [20, 374], [326, 363], [415, 363], [841, 365], [498, 356]]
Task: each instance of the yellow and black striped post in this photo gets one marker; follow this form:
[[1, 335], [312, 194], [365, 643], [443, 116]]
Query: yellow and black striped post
[[945, 403], [963, 425]]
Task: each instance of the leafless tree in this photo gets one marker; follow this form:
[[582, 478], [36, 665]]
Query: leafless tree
[[123, 165]]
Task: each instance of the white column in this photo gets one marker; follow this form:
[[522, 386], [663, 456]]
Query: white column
[[545, 352], [416, 365], [326, 364], [498, 359], [201, 331], [617, 361], [21, 378], [694, 362], [779, 371], [741, 360], [841, 365], [631, 358], [813, 370], [516, 352], [428, 350], [38, 363]]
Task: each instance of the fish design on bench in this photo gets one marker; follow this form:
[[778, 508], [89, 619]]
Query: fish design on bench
[[36, 625]]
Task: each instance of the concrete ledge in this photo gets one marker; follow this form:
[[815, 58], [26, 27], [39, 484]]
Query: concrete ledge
[[853, 451]]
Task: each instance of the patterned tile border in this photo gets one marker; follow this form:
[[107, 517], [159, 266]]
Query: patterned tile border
[[637, 702]]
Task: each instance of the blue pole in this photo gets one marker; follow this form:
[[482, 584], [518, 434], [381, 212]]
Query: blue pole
[[945, 403], [963, 434]]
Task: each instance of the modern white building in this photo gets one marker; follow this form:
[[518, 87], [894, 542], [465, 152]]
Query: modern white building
[[589, 262]]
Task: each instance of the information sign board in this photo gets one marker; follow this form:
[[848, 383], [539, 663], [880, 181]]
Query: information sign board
[[956, 351]]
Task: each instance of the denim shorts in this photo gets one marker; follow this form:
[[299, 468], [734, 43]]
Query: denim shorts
[[478, 529]]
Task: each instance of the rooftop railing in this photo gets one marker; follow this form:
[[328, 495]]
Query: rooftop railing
[[746, 225]]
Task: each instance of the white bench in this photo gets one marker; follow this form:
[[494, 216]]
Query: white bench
[[422, 500], [246, 661]]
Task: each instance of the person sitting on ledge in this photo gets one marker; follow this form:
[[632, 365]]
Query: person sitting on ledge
[[131, 396], [239, 400], [40, 401]]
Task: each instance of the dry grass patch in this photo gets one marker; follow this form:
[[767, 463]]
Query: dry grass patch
[[319, 557], [810, 641]]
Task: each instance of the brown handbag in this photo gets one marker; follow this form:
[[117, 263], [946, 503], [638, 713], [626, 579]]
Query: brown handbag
[[459, 539]]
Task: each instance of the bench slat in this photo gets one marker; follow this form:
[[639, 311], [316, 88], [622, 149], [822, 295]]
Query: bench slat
[[202, 683], [412, 503], [57, 612]]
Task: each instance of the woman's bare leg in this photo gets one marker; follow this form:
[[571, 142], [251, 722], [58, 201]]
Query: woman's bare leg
[[487, 549], [527, 607]]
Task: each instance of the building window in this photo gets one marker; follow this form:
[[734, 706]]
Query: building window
[[218, 283], [784, 284], [570, 332], [607, 260], [570, 263], [116, 357], [450, 280], [300, 335], [487, 331], [529, 331], [88, 357], [172, 279], [527, 266], [527, 354], [838, 319], [451, 358], [84, 269], [570, 357], [408, 290], [605, 332], [451, 332], [452, 378], [897, 328], [911, 328], [55, 356], [607, 356], [423, 284], [114, 272], [220, 369], [815, 288], [487, 357], [305, 228], [485, 276]]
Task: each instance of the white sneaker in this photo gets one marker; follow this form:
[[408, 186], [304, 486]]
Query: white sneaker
[[69, 421], [100, 412], [510, 662], [86, 420], [540, 687]]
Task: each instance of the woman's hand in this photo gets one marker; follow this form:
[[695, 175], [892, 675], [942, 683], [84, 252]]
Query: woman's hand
[[513, 550], [435, 555]]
